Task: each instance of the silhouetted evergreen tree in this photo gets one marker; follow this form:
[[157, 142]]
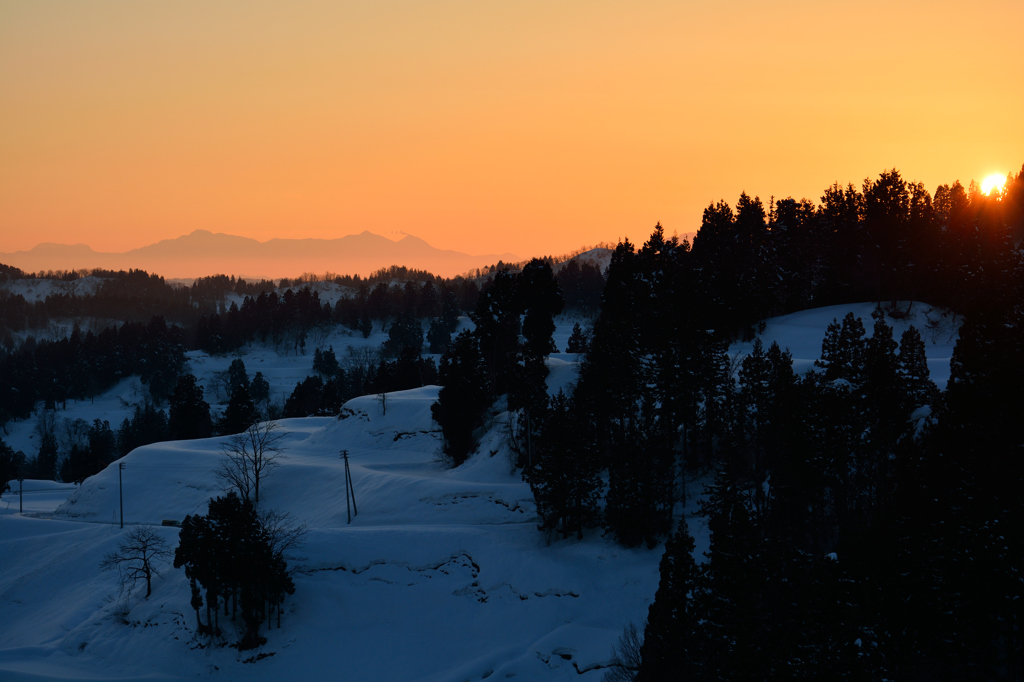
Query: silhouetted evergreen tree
[[307, 398], [577, 340], [464, 398], [438, 336], [238, 378], [188, 414], [231, 553], [240, 412], [44, 465], [147, 425], [11, 465], [497, 323], [405, 332], [259, 389], [564, 477], [673, 646]]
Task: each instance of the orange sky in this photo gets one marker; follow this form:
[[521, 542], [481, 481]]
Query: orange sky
[[481, 126]]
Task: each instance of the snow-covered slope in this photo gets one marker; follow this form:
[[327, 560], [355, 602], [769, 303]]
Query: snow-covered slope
[[803, 332], [441, 576], [38, 289]]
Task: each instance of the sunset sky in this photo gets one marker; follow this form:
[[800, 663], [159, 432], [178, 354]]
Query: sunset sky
[[486, 126]]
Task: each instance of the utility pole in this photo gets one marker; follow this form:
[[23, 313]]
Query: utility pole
[[349, 489], [120, 491], [19, 495]]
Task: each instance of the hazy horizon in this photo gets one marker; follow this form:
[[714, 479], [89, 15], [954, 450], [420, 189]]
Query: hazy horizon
[[523, 127], [202, 253]]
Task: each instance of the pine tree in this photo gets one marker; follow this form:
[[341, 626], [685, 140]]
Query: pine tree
[[188, 413], [577, 340], [438, 336], [325, 363], [755, 400], [641, 473], [673, 647], [851, 350], [564, 478], [735, 614], [496, 317], [240, 412], [45, 463], [450, 312], [829, 360], [237, 557], [237, 376], [306, 399], [259, 389], [405, 332], [541, 301], [11, 465], [463, 401], [913, 371]]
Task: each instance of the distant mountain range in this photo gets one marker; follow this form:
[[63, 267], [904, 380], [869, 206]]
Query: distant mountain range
[[203, 253]]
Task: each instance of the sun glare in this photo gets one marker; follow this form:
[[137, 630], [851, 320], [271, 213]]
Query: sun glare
[[993, 183]]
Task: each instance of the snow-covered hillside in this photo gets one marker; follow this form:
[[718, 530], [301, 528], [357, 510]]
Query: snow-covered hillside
[[803, 332], [38, 289], [282, 370], [443, 574]]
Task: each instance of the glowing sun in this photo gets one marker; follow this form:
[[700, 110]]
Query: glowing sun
[[993, 183]]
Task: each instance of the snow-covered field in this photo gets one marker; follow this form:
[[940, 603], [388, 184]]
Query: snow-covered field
[[802, 333], [38, 289], [441, 576]]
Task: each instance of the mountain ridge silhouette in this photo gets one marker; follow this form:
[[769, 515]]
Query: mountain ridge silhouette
[[202, 252]]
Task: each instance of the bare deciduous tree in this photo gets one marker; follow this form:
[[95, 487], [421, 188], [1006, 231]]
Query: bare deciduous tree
[[136, 558], [627, 656], [250, 456], [281, 531]]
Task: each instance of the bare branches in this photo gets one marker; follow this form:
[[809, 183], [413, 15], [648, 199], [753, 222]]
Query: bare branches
[[627, 656], [250, 456], [136, 557], [281, 532]]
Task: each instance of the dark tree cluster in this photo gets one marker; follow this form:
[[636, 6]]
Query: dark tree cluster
[[234, 558], [860, 519], [284, 321], [121, 296], [653, 384], [323, 394], [887, 241], [92, 456], [388, 302], [581, 285], [12, 465], [503, 356], [83, 365], [93, 447]]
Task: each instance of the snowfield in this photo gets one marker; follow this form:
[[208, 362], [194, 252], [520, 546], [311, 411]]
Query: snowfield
[[442, 575], [802, 333]]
